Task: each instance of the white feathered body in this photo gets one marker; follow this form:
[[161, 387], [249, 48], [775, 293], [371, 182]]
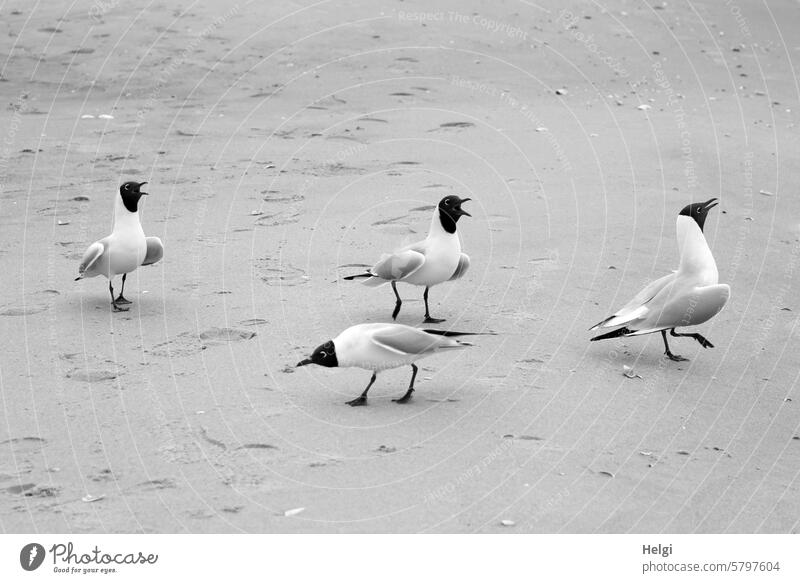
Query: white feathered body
[[380, 347], [688, 297]]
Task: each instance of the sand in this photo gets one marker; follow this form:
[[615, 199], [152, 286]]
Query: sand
[[286, 146]]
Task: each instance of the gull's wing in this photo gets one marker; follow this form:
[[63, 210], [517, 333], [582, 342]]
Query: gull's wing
[[398, 265], [155, 251], [407, 341], [93, 253], [686, 308], [463, 265], [637, 307]]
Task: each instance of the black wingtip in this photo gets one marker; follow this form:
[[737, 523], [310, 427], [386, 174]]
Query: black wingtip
[[613, 334], [78, 278], [453, 333]]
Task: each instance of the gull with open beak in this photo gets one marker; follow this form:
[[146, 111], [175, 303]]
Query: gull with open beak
[[432, 261], [687, 297], [125, 249]]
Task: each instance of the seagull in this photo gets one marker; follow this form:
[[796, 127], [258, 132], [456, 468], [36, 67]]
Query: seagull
[[687, 297], [125, 249], [435, 260], [379, 347]]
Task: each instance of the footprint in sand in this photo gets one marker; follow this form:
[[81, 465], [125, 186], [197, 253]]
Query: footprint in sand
[[189, 343], [257, 446], [276, 219], [222, 335], [31, 490], [26, 310], [35, 304], [454, 125], [158, 484], [274, 196], [274, 273], [92, 375], [402, 225]]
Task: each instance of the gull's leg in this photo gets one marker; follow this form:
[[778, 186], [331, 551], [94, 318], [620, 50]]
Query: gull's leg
[[362, 400], [113, 301], [398, 303], [701, 339], [675, 357], [407, 397], [428, 319], [120, 299]]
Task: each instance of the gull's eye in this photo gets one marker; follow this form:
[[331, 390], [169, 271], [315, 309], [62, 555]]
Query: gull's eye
[[323, 354], [127, 187]]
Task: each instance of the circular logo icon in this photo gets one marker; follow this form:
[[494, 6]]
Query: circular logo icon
[[31, 556]]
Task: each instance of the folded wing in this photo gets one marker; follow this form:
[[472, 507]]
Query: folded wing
[[90, 257], [688, 308], [155, 251], [399, 265], [463, 265], [638, 306], [407, 341]]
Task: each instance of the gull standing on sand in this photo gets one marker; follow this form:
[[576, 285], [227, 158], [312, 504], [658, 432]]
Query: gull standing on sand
[[687, 297], [378, 347], [435, 260], [125, 249]]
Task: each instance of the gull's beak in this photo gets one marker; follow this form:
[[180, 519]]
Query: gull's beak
[[462, 211], [305, 362], [140, 185], [710, 204]]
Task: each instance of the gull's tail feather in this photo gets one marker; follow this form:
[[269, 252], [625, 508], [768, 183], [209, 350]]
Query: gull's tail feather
[[370, 279], [358, 276], [614, 334]]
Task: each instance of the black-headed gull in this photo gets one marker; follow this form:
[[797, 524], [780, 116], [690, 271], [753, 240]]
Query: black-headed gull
[[687, 297], [125, 249], [379, 347], [436, 259]]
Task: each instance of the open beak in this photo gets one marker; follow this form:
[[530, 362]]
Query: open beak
[[462, 211], [304, 362], [140, 185], [710, 204]]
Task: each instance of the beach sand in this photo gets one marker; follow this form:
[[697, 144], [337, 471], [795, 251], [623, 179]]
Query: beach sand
[[287, 146]]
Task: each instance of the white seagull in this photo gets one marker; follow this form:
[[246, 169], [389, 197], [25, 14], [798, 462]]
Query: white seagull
[[687, 297], [378, 347], [125, 249], [435, 260]]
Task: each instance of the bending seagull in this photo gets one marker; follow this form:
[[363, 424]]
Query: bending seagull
[[125, 249], [435, 260], [686, 297], [378, 347]]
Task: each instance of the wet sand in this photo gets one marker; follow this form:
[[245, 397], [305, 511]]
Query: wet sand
[[285, 147]]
